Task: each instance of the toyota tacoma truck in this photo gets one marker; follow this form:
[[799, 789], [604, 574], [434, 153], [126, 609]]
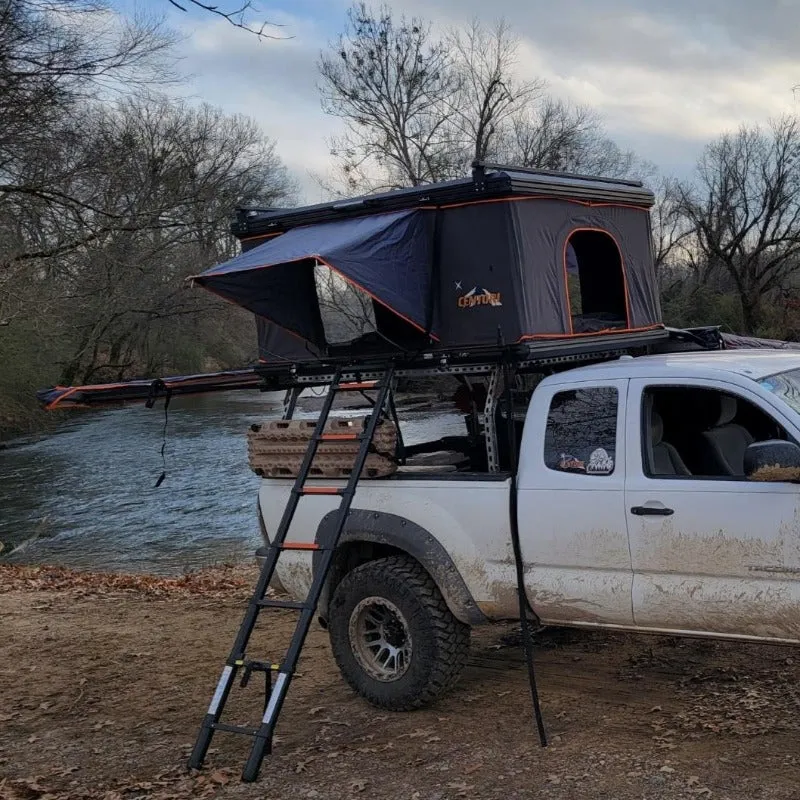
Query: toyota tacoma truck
[[637, 511]]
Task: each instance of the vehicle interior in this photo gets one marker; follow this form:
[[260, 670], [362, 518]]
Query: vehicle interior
[[698, 432]]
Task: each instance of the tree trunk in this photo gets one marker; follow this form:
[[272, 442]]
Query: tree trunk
[[752, 312]]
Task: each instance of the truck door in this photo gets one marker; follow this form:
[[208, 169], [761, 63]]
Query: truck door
[[571, 504], [711, 551]]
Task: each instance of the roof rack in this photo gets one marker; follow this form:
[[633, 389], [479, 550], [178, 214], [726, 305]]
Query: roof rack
[[480, 167], [534, 356]]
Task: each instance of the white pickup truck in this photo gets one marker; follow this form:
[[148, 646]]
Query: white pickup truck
[[636, 510]]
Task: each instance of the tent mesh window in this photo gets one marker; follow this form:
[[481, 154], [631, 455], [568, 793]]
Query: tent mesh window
[[595, 282], [353, 320], [347, 312]]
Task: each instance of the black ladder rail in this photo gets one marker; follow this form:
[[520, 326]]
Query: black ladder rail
[[262, 743], [236, 660]]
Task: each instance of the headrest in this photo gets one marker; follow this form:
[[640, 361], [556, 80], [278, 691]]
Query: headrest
[[656, 428], [727, 410]]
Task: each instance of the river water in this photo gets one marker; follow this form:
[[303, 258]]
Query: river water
[[85, 496]]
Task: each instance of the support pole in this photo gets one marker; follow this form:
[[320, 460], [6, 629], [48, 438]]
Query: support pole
[[525, 626]]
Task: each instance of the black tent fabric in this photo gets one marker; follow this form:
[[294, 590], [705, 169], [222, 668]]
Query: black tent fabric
[[468, 274]]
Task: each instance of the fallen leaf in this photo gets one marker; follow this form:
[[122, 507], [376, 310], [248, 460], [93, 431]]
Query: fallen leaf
[[666, 768], [358, 785], [314, 711], [220, 777]]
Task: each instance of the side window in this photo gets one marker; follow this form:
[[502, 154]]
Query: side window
[[691, 431], [581, 433]]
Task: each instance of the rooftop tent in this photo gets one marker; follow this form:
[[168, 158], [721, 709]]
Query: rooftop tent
[[507, 255]]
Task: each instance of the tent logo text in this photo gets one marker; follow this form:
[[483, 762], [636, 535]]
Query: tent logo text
[[479, 297]]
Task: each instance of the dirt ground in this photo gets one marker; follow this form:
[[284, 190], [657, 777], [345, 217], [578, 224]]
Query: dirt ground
[[104, 680]]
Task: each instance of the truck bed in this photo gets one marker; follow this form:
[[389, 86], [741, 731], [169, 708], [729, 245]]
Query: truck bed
[[468, 512]]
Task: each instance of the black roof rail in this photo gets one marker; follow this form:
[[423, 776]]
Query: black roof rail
[[479, 171]]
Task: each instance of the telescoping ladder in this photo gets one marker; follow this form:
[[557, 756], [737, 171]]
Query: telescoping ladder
[[238, 660]]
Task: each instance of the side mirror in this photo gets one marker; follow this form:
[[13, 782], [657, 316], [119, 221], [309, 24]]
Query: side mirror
[[772, 461]]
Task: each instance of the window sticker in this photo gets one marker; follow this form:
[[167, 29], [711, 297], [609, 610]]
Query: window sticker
[[600, 463], [571, 464]]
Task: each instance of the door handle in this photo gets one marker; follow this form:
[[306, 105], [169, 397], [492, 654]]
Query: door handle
[[652, 511]]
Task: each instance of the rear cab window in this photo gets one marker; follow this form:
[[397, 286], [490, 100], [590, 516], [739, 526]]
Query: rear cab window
[[581, 432]]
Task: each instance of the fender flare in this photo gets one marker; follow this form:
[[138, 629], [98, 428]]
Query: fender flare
[[395, 531]]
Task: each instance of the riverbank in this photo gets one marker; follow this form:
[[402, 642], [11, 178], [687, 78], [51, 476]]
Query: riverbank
[[17, 422], [105, 679]]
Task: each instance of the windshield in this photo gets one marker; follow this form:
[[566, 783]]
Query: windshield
[[785, 385]]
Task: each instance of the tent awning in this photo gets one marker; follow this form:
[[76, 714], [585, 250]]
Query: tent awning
[[388, 256]]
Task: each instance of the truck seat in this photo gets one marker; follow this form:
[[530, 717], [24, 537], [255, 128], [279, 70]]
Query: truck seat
[[664, 457], [725, 442]]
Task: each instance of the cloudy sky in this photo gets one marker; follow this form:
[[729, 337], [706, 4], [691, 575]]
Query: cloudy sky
[[666, 75]]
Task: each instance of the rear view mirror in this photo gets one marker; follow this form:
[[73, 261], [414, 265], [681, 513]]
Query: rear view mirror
[[772, 461]]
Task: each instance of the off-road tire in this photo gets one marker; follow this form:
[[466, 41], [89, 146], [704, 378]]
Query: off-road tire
[[440, 643]]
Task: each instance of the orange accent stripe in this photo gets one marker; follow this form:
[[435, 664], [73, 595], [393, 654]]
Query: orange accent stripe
[[358, 385], [320, 490], [519, 199], [531, 336], [168, 384], [261, 236], [300, 546], [338, 437]]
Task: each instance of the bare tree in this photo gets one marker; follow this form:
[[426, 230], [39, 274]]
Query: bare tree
[[488, 94], [744, 208], [55, 57], [419, 109], [672, 229], [237, 15], [554, 135], [387, 81], [168, 175]]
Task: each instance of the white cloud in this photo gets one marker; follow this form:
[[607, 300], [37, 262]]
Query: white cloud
[[274, 82], [667, 76]]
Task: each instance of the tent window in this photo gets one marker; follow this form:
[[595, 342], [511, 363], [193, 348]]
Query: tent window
[[595, 282], [347, 312], [351, 318]]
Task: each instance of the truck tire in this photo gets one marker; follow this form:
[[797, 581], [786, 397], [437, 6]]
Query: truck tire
[[392, 635]]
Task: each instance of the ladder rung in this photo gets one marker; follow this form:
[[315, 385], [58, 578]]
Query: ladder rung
[[298, 546], [221, 726], [295, 606], [258, 666], [358, 386], [330, 490], [339, 437]]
